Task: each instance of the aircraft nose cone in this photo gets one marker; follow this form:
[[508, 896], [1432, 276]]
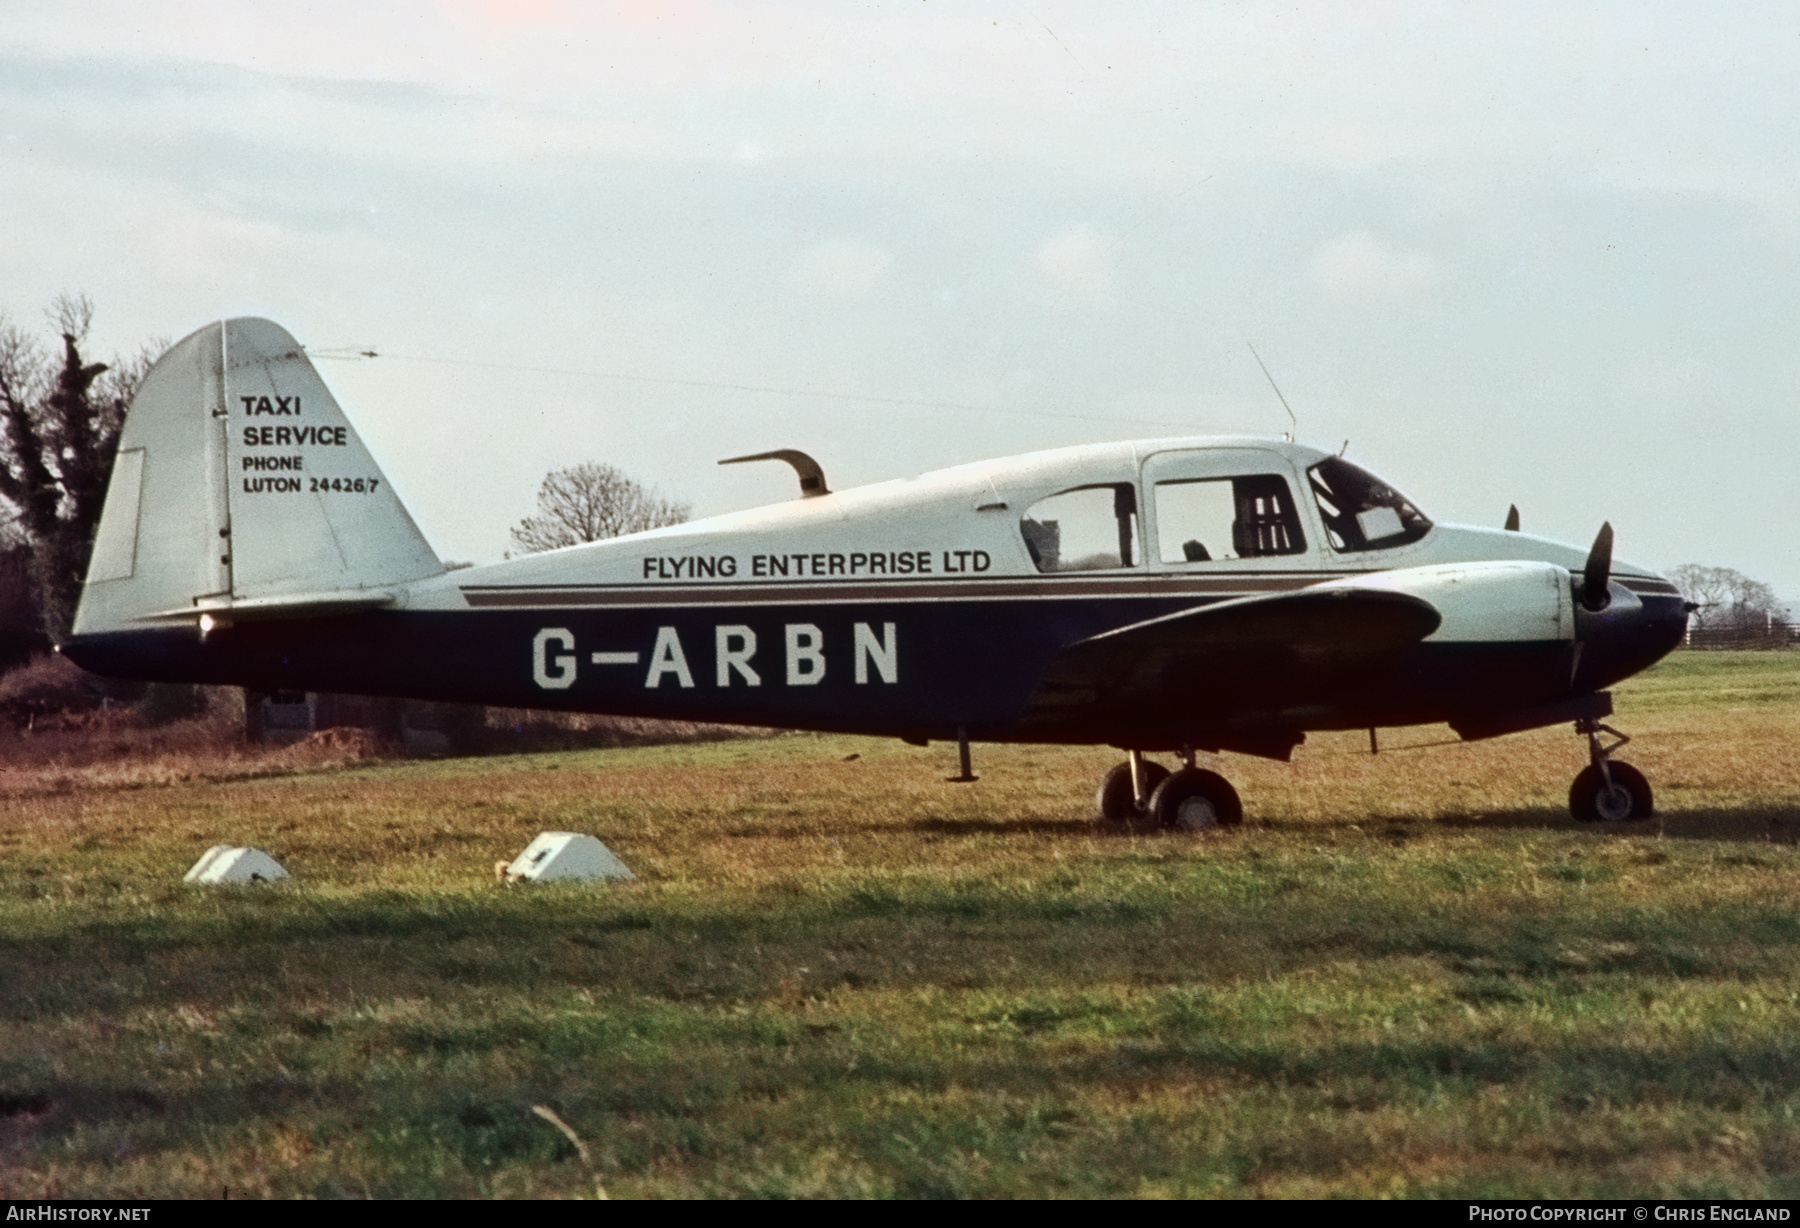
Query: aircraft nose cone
[[1632, 632]]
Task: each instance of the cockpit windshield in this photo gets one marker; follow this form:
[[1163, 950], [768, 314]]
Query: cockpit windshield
[[1362, 512]]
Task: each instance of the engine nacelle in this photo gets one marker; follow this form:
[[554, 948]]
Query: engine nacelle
[[1512, 601]]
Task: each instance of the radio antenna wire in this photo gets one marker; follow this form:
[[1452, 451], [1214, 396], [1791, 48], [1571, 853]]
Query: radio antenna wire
[[1293, 421]]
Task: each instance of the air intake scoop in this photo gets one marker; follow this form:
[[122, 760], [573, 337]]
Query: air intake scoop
[[812, 478]]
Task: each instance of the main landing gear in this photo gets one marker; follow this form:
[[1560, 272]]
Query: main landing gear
[[1187, 799], [1608, 792]]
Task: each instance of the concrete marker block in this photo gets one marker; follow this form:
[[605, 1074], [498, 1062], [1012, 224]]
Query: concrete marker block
[[206, 859], [225, 863], [565, 855]]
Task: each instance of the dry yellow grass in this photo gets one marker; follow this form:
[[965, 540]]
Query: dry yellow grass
[[1408, 974], [116, 755]]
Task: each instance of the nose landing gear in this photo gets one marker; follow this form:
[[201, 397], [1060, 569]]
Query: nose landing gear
[[1188, 799], [1604, 791]]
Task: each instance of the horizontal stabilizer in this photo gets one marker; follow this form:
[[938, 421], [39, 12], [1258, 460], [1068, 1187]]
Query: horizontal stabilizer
[[288, 605]]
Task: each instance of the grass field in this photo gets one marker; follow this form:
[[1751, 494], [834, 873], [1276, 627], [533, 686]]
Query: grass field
[[1408, 974]]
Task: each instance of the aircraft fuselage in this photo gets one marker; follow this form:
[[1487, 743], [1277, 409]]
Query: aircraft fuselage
[[916, 608]]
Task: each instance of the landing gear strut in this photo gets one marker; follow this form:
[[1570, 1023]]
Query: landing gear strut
[[1189, 799], [1125, 790], [1608, 792]]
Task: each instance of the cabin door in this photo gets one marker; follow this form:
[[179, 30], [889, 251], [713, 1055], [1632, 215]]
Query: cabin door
[[1226, 512]]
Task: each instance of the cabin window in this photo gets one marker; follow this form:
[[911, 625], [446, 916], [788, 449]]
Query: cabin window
[[1212, 519], [1090, 528], [1361, 512]]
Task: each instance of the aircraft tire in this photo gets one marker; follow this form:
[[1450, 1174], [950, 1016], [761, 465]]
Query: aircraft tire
[[1628, 801], [1115, 803], [1196, 800]]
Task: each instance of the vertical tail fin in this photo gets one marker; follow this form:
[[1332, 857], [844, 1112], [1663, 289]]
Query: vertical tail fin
[[239, 479]]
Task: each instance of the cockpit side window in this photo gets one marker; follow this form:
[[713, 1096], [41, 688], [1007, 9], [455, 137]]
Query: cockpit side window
[[1089, 528], [1361, 512], [1211, 519]]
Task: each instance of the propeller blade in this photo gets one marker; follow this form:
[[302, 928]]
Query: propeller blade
[[1512, 518], [1598, 570]]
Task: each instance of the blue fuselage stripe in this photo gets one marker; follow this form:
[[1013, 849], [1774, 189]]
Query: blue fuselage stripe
[[903, 668]]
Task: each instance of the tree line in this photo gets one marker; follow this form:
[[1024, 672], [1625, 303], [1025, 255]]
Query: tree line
[[60, 416], [1729, 606]]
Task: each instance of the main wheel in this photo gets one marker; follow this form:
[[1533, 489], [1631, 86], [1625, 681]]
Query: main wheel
[[1194, 799], [1627, 800], [1115, 802]]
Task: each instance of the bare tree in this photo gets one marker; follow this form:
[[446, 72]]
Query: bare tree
[[12, 533], [589, 502], [59, 429], [1727, 599]]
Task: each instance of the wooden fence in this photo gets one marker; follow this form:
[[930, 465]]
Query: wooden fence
[[1773, 637]]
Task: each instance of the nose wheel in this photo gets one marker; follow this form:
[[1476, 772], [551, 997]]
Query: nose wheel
[[1604, 791], [1189, 799]]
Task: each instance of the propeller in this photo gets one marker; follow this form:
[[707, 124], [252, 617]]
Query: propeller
[[1512, 518], [1598, 570]]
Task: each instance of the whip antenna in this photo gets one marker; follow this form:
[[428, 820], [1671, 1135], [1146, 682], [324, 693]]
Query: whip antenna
[[1295, 422]]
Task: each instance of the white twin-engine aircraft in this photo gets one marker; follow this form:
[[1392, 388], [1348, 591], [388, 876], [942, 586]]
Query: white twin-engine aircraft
[[1168, 595]]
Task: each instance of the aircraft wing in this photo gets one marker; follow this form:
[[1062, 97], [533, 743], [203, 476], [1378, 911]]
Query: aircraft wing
[[1234, 663]]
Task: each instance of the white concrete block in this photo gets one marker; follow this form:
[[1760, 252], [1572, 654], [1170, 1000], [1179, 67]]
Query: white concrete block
[[558, 855], [225, 863], [206, 859]]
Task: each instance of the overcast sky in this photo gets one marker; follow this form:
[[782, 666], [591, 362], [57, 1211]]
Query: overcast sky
[[1516, 253]]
